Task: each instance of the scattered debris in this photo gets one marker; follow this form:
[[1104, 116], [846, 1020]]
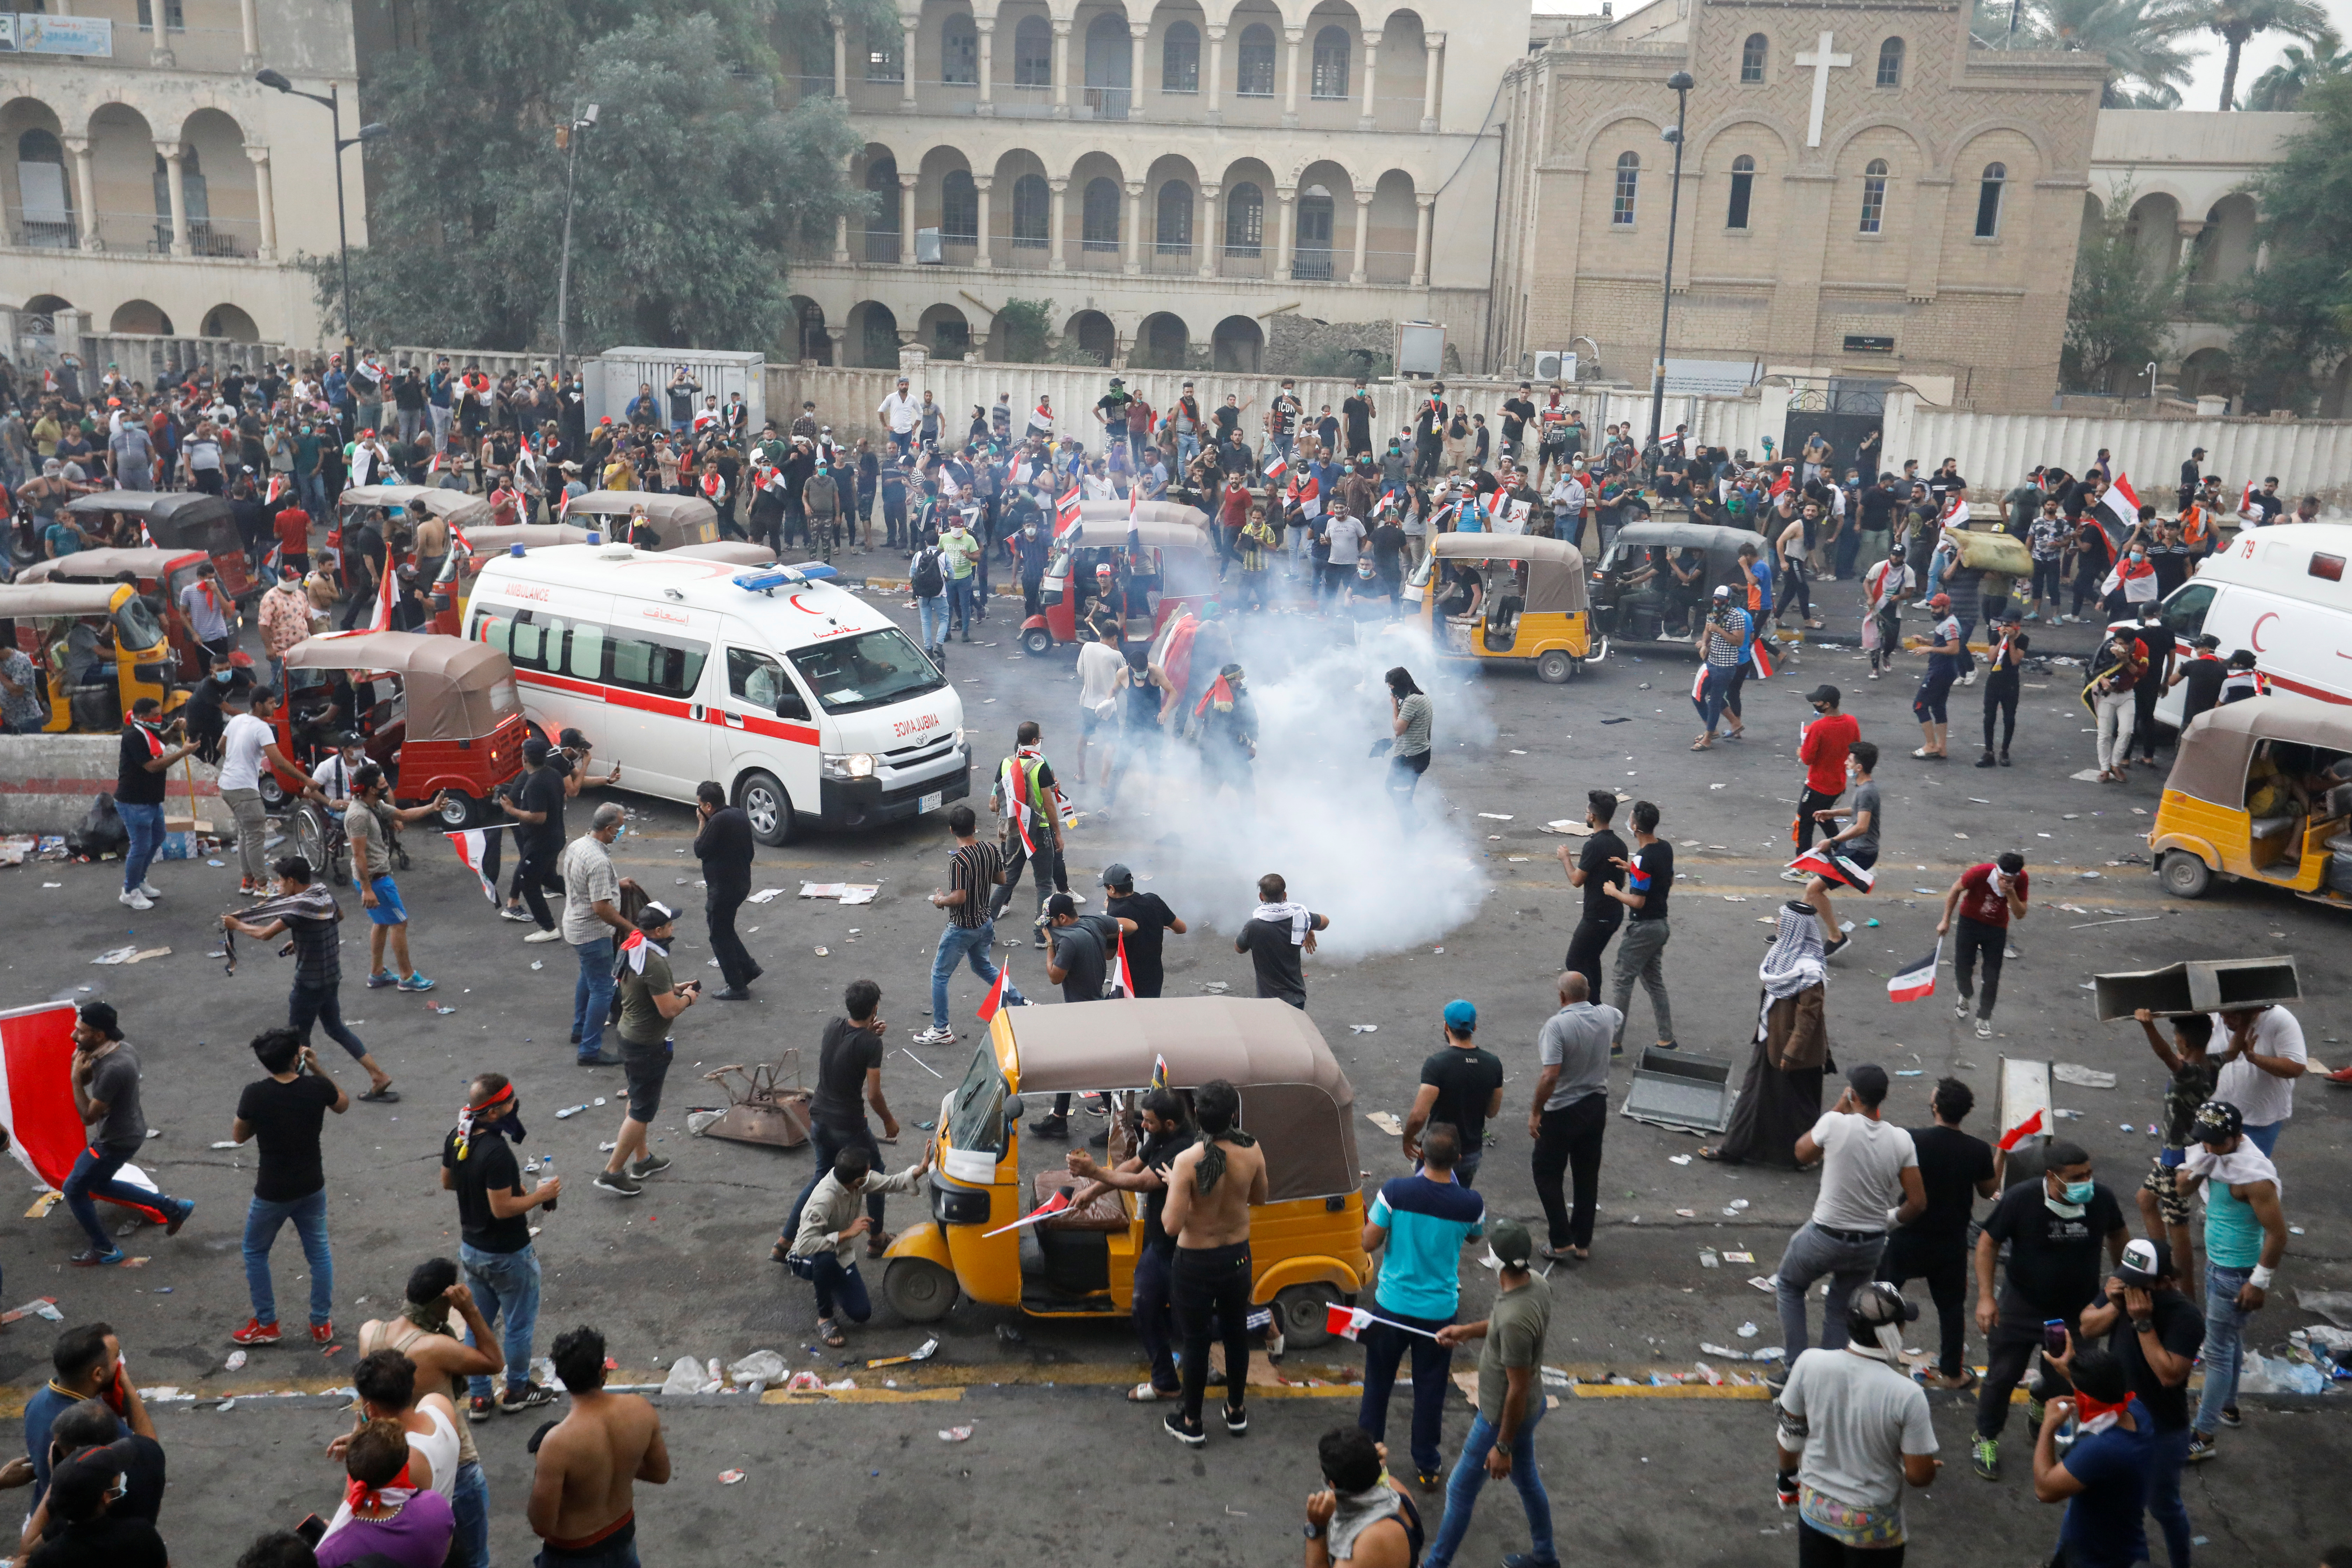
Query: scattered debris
[[2083, 1077], [132, 955]]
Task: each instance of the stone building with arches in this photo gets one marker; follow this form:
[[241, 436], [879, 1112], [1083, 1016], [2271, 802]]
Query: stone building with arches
[[157, 189], [1173, 174], [1867, 196]]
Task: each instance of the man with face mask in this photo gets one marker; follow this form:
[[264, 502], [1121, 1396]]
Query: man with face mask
[[1357, 414], [2054, 1228], [494, 1247]]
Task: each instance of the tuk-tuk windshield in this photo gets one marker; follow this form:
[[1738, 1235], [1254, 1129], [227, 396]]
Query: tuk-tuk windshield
[[135, 626], [867, 670], [976, 1120], [1419, 578]]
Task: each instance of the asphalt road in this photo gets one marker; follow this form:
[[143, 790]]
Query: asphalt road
[[1470, 904]]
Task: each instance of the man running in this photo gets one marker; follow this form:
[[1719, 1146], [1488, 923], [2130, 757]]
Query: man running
[[1210, 1187], [1596, 869], [583, 1501], [1983, 899], [105, 1079], [1852, 850]]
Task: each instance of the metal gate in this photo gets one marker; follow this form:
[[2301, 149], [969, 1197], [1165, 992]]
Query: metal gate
[[1841, 413]]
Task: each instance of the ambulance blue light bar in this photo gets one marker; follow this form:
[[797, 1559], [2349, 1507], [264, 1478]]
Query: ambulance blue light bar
[[769, 580]]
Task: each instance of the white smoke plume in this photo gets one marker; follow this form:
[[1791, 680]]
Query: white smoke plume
[[1324, 817]]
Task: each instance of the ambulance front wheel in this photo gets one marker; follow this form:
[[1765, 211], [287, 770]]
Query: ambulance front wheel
[[763, 800], [1037, 640], [1555, 667]]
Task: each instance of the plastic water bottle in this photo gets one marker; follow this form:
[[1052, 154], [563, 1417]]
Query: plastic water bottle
[[547, 1168]]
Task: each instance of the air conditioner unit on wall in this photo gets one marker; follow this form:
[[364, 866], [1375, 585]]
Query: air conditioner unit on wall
[[1548, 365]]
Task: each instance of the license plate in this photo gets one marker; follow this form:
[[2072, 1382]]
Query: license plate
[[931, 802]]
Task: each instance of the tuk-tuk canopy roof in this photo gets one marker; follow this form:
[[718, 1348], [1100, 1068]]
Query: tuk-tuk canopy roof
[[1109, 532], [662, 506], [1707, 536], [731, 552], [157, 509], [1554, 567], [456, 691], [456, 505], [2219, 745], [102, 563], [1148, 511], [498, 537], [59, 598], [1294, 1096]]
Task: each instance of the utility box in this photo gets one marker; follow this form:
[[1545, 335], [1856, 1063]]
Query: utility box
[[1420, 350], [1682, 1089], [613, 376], [2204, 985]]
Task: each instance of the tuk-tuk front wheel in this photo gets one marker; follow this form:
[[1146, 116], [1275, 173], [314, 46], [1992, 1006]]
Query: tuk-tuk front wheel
[[2184, 874], [1303, 1313], [762, 795], [459, 811], [918, 1289], [273, 792], [1037, 640], [1555, 667]]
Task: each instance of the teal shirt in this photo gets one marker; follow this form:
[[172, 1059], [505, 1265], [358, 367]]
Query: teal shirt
[[2233, 1233], [1427, 1222]]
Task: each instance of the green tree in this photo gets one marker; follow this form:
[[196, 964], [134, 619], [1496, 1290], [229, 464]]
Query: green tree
[[2120, 312], [2282, 86], [693, 187], [2147, 64], [2297, 311], [2238, 21], [1027, 324]]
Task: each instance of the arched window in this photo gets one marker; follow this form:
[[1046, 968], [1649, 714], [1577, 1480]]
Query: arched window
[[1032, 211], [1751, 58], [1174, 219], [882, 223], [1310, 256], [1331, 78], [1179, 58], [48, 214], [886, 56], [1988, 201], [1255, 78], [1890, 63], [960, 52], [1098, 219], [959, 209], [1244, 220], [1743, 189], [1629, 183], [1873, 196], [1033, 53]]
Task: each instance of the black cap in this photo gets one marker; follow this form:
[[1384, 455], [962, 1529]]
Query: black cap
[[1117, 875], [1823, 693], [1061, 904], [574, 738], [535, 750], [100, 1016]]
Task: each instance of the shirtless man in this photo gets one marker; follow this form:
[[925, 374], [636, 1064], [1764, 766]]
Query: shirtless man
[[443, 1362], [580, 1501], [1210, 1187]]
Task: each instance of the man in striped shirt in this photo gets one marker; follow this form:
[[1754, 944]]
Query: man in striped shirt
[[974, 870]]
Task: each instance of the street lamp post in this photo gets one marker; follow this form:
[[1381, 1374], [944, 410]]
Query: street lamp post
[[571, 141], [371, 132], [1681, 82]]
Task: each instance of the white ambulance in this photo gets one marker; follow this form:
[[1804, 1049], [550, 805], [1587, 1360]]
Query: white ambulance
[[803, 700], [2281, 592]]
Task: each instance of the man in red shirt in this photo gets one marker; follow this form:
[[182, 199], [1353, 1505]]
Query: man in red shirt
[[1823, 750], [293, 530], [1984, 900], [1233, 516]]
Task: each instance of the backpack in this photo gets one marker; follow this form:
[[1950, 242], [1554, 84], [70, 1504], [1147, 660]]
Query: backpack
[[927, 581]]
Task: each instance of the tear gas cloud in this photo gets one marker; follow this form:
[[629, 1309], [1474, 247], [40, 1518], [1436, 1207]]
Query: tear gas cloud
[[1324, 817]]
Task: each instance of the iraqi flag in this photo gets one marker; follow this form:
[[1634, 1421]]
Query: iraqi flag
[[379, 620], [714, 486], [1158, 1063], [1219, 696], [1348, 1321], [1068, 511], [1698, 690], [636, 948], [1042, 1212], [2121, 503], [37, 1103], [1834, 869], [993, 1003], [1782, 485], [279, 486], [1758, 660], [1122, 983], [1276, 465], [2024, 1130], [1915, 979], [470, 845], [1041, 418]]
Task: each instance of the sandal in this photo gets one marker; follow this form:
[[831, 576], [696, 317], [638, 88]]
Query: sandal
[[1702, 745], [830, 1334], [1712, 1156], [1145, 1392], [387, 1095]]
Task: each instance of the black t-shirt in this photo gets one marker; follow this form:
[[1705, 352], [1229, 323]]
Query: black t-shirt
[[540, 791], [1601, 848], [488, 1166], [133, 784], [1466, 1081], [2158, 640], [1276, 958], [1158, 1153], [1081, 951], [2181, 1328], [110, 1540], [848, 1053], [286, 1119], [2203, 679], [1952, 1163], [2053, 1261], [1517, 412], [1651, 875], [1152, 917]]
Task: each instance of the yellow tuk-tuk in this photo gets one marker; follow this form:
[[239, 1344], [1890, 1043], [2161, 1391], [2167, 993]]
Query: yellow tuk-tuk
[[2260, 789], [1306, 1242], [1497, 596], [100, 648]]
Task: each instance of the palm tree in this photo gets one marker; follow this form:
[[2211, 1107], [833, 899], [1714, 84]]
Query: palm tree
[[2282, 85], [2239, 20], [2140, 40]]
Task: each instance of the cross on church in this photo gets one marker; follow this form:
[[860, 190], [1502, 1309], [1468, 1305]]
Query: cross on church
[[1823, 62]]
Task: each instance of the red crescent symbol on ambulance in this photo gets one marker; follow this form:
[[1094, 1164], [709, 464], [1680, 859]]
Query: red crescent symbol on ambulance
[[2256, 634], [803, 609]]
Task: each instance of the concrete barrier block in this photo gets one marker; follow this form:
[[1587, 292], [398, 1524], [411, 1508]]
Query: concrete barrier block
[[47, 783]]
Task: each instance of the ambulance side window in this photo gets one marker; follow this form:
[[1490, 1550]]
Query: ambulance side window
[[2184, 613], [527, 643], [654, 662], [495, 631], [756, 679], [584, 658]]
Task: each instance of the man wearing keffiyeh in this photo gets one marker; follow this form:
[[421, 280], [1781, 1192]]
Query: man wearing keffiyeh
[[307, 912]]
